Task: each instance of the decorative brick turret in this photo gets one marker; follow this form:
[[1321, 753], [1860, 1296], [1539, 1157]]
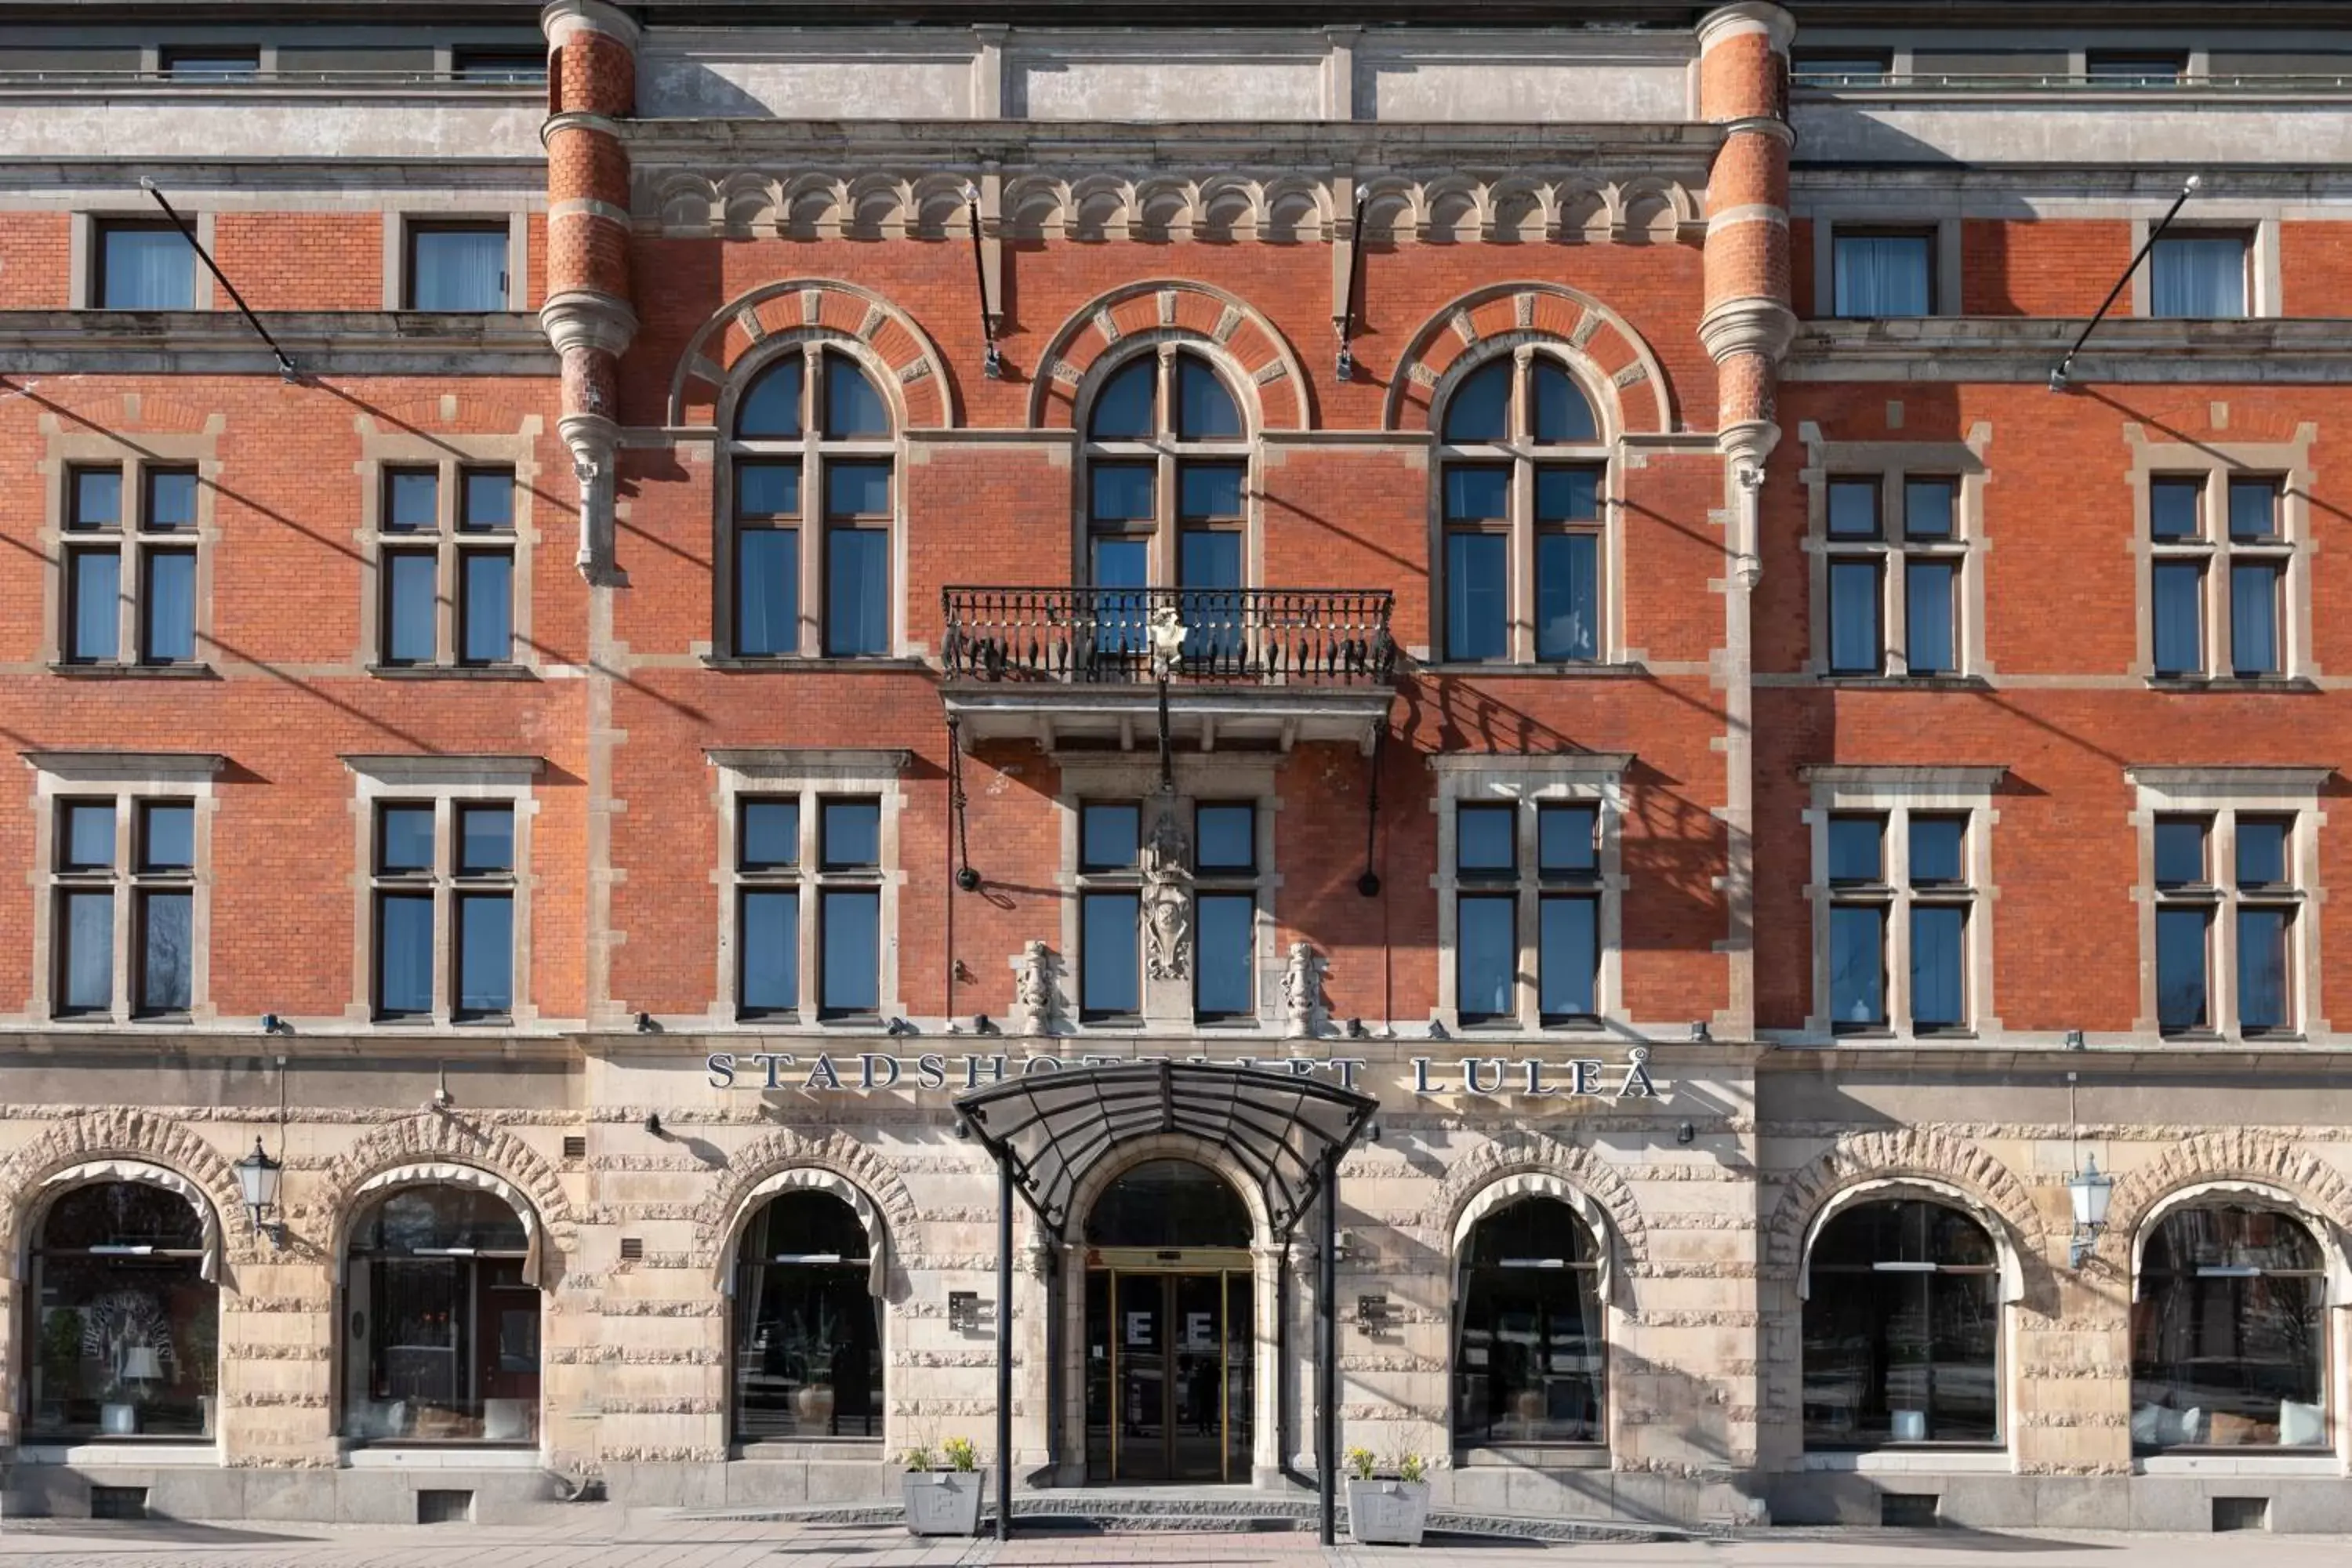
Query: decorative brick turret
[[591, 85]]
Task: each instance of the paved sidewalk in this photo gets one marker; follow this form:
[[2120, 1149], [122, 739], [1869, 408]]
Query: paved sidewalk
[[613, 1538]]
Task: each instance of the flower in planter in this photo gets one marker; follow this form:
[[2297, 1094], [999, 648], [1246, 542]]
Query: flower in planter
[[961, 1455], [1411, 1467], [919, 1458], [1362, 1463]]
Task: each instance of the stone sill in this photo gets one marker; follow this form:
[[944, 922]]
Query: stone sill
[[80, 671], [2230, 684], [1533, 1456], [800, 664], [2280, 1462], [1514, 670], [122, 1453], [824, 1451], [452, 672], [445, 1456], [1953, 1459], [1908, 682]]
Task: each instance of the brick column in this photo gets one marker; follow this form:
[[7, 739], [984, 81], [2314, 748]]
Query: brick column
[[591, 73]]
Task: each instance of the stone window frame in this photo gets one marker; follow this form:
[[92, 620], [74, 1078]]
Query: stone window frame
[[2265, 286], [1895, 794], [445, 782], [451, 456], [1168, 453], [86, 254], [68, 449], [1529, 783], [129, 779], [2215, 462], [811, 449], [399, 249], [1894, 463], [1218, 780], [808, 777], [1944, 261], [1605, 453], [2222, 794]]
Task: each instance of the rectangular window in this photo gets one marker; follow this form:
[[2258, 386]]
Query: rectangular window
[[456, 267], [1854, 508], [2176, 508], [1938, 851], [2181, 968], [150, 878], [1838, 68], [1531, 910], [2180, 852], [404, 926], [1109, 956], [769, 934], [2253, 619], [1226, 971], [452, 526], [499, 65], [2262, 853], [2254, 512], [1485, 840], [86, 953], [2227, 899], [1938, 998], [485, 602], [1225, 838], [2262, 970], [1478, 597], [1568, 842], [1568, 963], [1929, 509], [767, 559], [1486, 956], [485, 954], [1858, 966], [129, 566], [1928, 587], [94, 605], [474, 871], [2113, 68], [849, 930], [2178, 592], [143, 264], [1568, 596], [1110, 836], [1857, 852], [167, 607], [212, 62], [166, 938], [770, 837], [857, 558], [1883, 274], [410, 607], [1856, 640], [2198, 276]]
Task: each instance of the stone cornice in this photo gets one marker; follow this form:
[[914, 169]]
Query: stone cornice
[[321, 343], [1976, 348]]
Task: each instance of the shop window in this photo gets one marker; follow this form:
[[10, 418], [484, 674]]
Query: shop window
[[442, 1325], [808, 1324], [124, 1338], [1902, 1329], [2230, 1332], [1529, 1352]]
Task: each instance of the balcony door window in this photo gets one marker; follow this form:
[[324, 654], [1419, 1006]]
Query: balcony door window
[[1521, 500]]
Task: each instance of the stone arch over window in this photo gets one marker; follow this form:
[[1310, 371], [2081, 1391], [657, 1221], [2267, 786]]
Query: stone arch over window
[[1169, 484], [441, 1138], [733, 342], [1577, 1169], [138, 1141], [804, 1272], [1893, 1156], [1531, 1256], [812, 1179], [1263, 372], [2320, 1192], [1612, 362], [717, 1218]]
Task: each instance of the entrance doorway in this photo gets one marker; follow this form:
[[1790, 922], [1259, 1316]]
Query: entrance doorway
[[1170, 1329]]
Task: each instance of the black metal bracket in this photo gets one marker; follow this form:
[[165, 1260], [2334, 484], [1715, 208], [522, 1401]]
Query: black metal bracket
[[965, 878], [2060, 374], [991, 365], [1369, 884], [285, 370], [1346, 368]]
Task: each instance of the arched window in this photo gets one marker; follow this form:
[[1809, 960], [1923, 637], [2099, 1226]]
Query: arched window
[[125, 1331], [2230, 1332], [1167, 488], [1529, 1347], [441, 1327], [1522, 489], [811, 472], [1169, 1204], [808, 1327], [1902, 1333]]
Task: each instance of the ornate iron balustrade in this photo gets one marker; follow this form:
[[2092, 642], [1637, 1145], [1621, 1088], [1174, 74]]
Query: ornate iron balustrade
[[1302, 636]]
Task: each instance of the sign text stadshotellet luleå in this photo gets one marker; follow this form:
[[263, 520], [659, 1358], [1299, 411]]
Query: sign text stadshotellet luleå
[[1532, 1077]]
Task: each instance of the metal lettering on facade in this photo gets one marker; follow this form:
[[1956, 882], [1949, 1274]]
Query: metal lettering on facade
[[1485, 1077]]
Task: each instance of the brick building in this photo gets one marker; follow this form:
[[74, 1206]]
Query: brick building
[[806, 566]]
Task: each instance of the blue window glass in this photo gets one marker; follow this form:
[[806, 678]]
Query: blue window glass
[[166, 952], [1567, 495], [167, 838], [1857, 849], [167, 631], [1936, 846], [2179, 588], [87, 841], [1854, 640], [1205, 411], [1561, 412], [857, 489], [412, 500], [1124, 408], [1927, 617], [1882, 274], [1124, 492], [767, 488], [1109, 969], [409, 580], [403, 963], [171, 499], [848, 835], [1224, 837], [97, 501], [1485, 839], [485, 839], [485, 953], [1212, 621], [1937, 935], [1857, 966], [94, 592], [404, 841], [2261, 852], [1486, 957], [2134, 70], [1568, 596], [849, 931], [857, 583], [1210, 491], [1122, 621], [1568, 840], [854, 409], [1477, 492], [770, 837], [458, 269], [86, 967], [1223, 983], [486, 606], [2262, 970], [1927, 509], [1477, 593], [145, 268], [2179, 851], [1479, 411], [486, 501], [771, 409], [1570, 956], [1110, 836], [2254, 509], [1854, 508], [2180, 968], [2253, 618], [2200, 277], [771, 951], [2176, 508], [767, 592]]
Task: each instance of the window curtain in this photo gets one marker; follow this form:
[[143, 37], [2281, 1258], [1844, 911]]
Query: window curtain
[[2179, 634], [2200, 279], [150, 269], [2262, 969], [461, 270], [1936, 934], [1853, 616], [1884, 275], [171, 605], [2253, 620], [1928, 614], [1567, 596]]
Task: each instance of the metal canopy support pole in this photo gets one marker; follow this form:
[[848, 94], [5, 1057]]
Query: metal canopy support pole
[[1326, 1353], [1003, 1348]]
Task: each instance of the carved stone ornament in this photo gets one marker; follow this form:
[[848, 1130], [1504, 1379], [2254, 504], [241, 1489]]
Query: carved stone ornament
[[1036, 998], [1168, 897], [1303, 1013]]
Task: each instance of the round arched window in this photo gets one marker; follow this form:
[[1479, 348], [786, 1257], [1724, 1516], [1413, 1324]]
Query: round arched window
[[1169, 1204], [1902, 1329], [808, 1327], [441, 1327], [1529, 1349], [125, 1331], [2230, 1332]]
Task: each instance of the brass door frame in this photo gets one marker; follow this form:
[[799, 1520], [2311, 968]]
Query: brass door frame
[[1121, 1262]]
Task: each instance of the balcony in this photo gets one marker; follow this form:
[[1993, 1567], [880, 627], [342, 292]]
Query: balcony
[[1259, 667]]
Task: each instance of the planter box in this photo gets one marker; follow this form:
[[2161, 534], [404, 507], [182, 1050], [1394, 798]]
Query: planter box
[[1387, 1513], [944, 1502]]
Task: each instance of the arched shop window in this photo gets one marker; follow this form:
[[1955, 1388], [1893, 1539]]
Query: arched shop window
[[808, 1327], [1902, 1336], [124, 1334], [1529, 1345], [442, 1326], [2230, 1332], [1168, 1203]]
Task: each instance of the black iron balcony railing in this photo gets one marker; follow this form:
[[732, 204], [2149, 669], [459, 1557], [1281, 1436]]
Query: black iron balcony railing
[[1263, 636]]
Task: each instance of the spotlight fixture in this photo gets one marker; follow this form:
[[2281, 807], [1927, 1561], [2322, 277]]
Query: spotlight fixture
[[1437, 1030], [981, 1024], [653, 1124], [898, 1026], [1685, 1132], [271, 1024], [968, 879], [644, 1023], [1356, 1030], [963, 1128], [442, 1098], [1699, 1031], [2075, 1040]]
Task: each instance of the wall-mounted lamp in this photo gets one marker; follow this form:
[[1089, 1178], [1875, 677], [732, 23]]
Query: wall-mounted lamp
[[258, 1176], [963, 1128], [2090, 1189], [1685, 1133], [442, 1098]]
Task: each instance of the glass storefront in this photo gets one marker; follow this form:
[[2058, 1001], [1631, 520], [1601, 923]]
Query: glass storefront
[[124, 1337], [808, 1328], [1530, 1352], [2228, 1334], [1902, 1329]]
